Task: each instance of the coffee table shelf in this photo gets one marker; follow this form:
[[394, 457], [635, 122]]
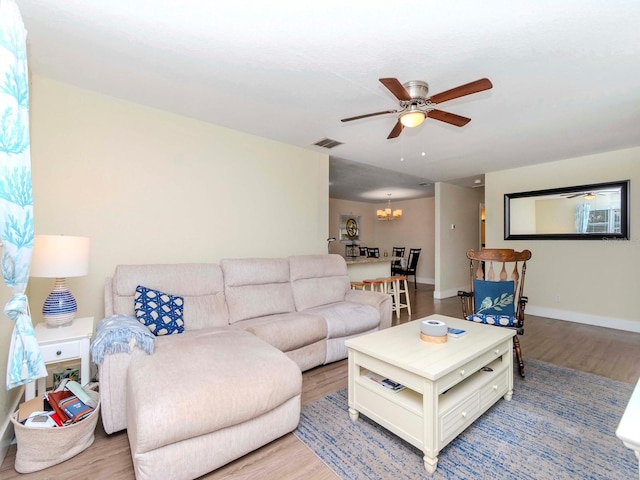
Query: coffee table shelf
[[407, 398], [448, 386]]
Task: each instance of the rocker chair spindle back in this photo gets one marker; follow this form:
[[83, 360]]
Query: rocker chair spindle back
[[481, 267]]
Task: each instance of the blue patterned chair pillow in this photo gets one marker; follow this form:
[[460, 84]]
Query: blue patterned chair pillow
[[501, 320], [159, 311], [493, 298]]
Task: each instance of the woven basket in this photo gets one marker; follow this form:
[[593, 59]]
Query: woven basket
[[40, 448]]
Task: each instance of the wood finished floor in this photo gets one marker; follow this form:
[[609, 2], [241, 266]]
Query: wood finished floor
[[607, 352]]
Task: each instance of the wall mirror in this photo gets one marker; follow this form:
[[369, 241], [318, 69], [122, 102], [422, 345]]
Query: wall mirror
[[584, 212]]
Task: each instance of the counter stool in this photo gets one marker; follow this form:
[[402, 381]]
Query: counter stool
[[358, 286], [388, 286], [400, 287], [375, 284]]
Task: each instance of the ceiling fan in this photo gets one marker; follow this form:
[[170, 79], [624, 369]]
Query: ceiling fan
[[415, 105], [587, 195]]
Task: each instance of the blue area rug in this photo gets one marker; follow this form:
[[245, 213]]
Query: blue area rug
[[560, 425]]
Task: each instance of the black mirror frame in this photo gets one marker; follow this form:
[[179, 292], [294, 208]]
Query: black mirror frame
[[624, 213]]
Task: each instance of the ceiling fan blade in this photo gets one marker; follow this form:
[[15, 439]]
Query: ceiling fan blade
[[395, 87], [448, 117], [397, 130], [367, 115], [462, 90]]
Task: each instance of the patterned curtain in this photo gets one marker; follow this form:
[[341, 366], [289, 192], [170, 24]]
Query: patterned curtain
[[582, 217], [16, 201]]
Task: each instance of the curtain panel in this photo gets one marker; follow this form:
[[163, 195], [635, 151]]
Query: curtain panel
[[16, 200]]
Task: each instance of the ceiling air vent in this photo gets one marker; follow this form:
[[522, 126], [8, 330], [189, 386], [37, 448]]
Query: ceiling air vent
[[327, 143]]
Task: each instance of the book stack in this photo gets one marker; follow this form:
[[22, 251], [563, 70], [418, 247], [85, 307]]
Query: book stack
[[66, 405], [385, 382], [70, 403]]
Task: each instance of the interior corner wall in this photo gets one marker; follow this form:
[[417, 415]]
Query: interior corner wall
[[416, 229], [459, 207], [585, 281]]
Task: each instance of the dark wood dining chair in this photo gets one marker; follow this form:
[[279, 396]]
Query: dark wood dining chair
[[497, 297], [412, 265], [396, 264], [373, 252]]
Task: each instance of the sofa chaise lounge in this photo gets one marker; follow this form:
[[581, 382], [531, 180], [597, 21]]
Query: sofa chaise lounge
[[231, 381]]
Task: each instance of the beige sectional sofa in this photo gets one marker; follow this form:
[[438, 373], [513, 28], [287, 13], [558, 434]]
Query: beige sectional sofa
[[251, 326]]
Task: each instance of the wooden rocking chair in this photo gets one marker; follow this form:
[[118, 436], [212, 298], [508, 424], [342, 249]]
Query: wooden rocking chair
[[497, 298]]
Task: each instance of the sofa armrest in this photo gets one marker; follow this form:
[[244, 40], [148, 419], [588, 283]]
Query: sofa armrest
[[112, 375], [381, 301]]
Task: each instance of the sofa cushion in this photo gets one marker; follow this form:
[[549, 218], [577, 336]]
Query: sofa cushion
[[200, 284], [287, 331], [159, 311], [232, 375], [256, 287], [345, 319], [318, 280]]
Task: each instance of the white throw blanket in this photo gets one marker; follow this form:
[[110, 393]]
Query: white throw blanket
[[114, 335]]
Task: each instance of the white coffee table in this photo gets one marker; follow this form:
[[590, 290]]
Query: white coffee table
[[447, 388]]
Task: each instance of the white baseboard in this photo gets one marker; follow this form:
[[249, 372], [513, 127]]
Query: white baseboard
[[586, 318], [429, 281], [6, 432], [453, 292]]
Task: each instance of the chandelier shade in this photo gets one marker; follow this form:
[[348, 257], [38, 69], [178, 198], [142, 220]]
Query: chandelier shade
[[389, 213]]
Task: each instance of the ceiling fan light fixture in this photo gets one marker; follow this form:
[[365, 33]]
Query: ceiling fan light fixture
[[589, 196], [413, 118]]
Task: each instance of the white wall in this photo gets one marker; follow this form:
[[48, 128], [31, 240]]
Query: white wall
[[592, 281], [414, 230], [457, 206], [150, 186]]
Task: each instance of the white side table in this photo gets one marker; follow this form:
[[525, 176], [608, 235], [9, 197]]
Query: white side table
[[61, 344]]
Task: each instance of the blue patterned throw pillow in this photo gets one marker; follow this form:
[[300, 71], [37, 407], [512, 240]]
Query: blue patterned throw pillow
[[159, 311], [494, 298]]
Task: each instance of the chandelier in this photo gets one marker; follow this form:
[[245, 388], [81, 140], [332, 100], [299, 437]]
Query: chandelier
[[388, 213]]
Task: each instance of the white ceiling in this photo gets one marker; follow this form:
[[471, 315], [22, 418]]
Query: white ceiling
[[565, 73]]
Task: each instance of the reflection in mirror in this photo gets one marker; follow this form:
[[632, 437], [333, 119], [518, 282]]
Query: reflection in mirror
[[591, 212]]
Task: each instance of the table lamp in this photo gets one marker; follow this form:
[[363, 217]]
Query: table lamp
[[59, 257]]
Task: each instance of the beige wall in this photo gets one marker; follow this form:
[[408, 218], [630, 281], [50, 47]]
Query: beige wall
[[556, 215], [591, 281], [149, 186], [457, 206], [414, 230]]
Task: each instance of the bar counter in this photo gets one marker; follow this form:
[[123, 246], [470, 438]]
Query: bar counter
[[361, 268]]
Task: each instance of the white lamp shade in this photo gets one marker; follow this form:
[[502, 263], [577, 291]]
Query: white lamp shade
[[60, 256]]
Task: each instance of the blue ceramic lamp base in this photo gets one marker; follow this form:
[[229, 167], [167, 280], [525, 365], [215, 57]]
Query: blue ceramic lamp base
[[60, 307]]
